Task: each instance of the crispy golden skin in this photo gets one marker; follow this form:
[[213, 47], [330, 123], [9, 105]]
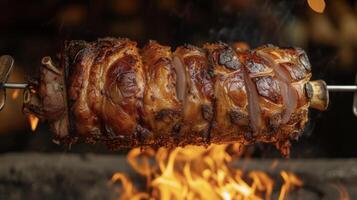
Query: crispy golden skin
[[231, 117], [161, 108], [198, 99]]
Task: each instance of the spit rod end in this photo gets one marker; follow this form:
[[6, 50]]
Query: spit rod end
[[354, 106], [318, 94]]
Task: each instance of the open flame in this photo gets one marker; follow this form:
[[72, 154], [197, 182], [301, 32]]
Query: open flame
[[15, 93], [342, 191], [198, 173], [33, 120]]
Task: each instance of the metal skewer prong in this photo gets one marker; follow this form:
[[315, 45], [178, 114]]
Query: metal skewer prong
[[342, 88], [346, 88], [14, 85]]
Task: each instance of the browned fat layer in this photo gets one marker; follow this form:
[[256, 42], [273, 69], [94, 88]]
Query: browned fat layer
[[197, 99], [288, 92], [230, 95], [181, 82], [254, 112], [253, 104], [161, 107], [198, 67]]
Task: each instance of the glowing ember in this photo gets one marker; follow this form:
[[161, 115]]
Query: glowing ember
[[198, 173], [33, 120], [15, 93], [317, 5]]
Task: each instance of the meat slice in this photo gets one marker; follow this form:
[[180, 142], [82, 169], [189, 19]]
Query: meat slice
[[197, 96], [231, 119], [293, 70], [115, 90], [161, 107], [269, 97], [81, 56]]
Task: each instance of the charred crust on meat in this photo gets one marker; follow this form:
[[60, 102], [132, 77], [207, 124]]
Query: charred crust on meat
[[204, 136], [256, 64], [176, 133], [229, 59], [296, 72], [143, 135], [275, 120], [190, 47], [309, 91], [207, 112], [239, 118], [268, 88], [73, 48], [248, 136], [303, 59], [167, 115]]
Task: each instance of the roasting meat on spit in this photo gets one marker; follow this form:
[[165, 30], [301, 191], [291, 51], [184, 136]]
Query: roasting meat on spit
[[111, 91]]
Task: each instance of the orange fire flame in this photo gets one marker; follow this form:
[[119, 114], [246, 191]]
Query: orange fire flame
[[290, 181], [33, 120], [15, 93], [197, 173], [344, 195]]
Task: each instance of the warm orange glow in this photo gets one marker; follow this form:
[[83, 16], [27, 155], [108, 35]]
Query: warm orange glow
[[15, 93], [33, 120], [197, 173], [342, 191], [274, 164], [290, 181], [317, 5]]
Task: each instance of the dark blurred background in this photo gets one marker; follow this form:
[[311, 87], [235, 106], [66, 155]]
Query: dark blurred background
[[327, 30]]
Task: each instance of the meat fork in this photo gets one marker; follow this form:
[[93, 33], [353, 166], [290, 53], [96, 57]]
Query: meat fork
[[7, 62]]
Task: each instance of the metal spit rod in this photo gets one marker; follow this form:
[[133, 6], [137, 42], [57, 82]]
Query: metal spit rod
[[14, 85], [330, 88], [6, 65], [342, 88]]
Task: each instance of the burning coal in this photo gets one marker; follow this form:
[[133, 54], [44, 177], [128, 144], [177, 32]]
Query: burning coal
[[198, 173]]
